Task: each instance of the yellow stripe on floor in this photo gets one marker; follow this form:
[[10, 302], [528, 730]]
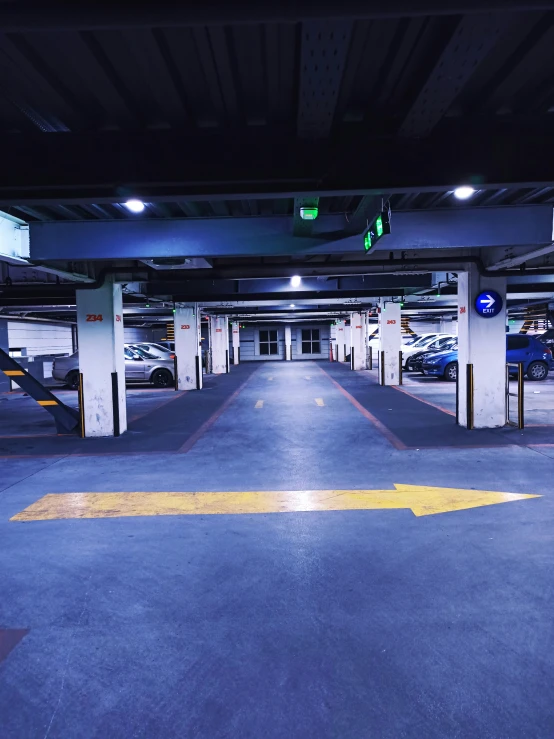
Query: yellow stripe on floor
[[259, 404], [47, 402], [13, 373], [319, 401], [422, 500]]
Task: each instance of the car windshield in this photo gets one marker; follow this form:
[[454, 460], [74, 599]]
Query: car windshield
[[423, 341], [142, 353]]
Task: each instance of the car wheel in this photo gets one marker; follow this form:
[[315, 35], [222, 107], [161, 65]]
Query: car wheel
[[451, 372], [161, 378], [537, 371], [72, 380]]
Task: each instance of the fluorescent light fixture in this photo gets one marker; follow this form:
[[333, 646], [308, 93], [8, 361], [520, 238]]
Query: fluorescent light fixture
[[295, 281], [135, 206], [292, 305], [464, 192]]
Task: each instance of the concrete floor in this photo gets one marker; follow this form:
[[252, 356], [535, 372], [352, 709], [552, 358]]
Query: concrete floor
[[539, 396], [344, 623]]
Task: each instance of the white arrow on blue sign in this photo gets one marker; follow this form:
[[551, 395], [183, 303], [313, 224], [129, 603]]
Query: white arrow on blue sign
[[488, 304]]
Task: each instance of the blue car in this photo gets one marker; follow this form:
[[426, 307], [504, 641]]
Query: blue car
[[536, 358]]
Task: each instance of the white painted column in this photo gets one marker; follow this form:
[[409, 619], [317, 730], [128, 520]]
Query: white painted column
[[288, 343], [357, 342], [219, 344], [235, 328], [390, 342], [341, 341], [187, 347], [482, 343], [100, 327]]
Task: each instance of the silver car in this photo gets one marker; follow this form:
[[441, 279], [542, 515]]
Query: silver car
[[140, 366]]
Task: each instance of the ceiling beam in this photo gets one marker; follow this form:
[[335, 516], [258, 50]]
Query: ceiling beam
[[472, 40], [168, 165], [462, 228], [88, 15]]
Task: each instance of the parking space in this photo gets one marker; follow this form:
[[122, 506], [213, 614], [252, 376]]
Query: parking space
[[292, 574], [539, 396]]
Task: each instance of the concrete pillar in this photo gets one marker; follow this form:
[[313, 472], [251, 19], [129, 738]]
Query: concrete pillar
[[341, 341], [390, 342], [357, 342], [101, 359], [187, 347], [288, 343], [5, 346], [482, 343], [235, 328], [219, 344]]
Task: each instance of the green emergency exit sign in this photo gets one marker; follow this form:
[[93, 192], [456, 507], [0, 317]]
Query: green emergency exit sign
[[379, 226]]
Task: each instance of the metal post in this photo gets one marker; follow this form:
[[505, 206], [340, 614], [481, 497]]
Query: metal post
[[198, 372], [382, 378], [469, 395], [351, 357], [458, 395], [370, 357], [115, 404], [82, 405], [175, 373], [520, 397], [400, 367]]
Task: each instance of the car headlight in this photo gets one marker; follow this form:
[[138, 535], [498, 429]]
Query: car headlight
[[433, 361]]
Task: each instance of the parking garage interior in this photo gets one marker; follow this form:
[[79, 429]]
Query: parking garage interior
[[276, 370]]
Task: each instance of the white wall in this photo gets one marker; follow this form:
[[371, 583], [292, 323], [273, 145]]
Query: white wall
[[40, 338], [250, 343], [152, 335]]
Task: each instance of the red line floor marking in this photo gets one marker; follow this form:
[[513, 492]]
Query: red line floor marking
[[138, 416], [387, 433], [10, 638], [191, 441], [421, 400]]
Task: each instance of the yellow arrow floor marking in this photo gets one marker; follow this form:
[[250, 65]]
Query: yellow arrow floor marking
[[422, 500], [259, 404], [319, 401]]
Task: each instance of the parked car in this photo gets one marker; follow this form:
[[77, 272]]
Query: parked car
[[424, 341], [140, 366], [407, 340], [156, 350], [415, 362], [536, 359]]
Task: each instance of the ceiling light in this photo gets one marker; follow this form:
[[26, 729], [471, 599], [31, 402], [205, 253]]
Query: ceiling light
[[135, 206], [292, 305], [464, 192], [295, 281]]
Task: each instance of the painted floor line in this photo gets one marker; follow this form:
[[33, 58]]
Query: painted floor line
[[421, 499], [259, 404], [191, 441], [319, 402], [421, 400], [138, 416], [387, 433]]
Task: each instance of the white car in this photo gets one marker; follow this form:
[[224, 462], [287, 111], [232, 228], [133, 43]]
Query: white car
[[406, 339], [156, 350], [421, 343]]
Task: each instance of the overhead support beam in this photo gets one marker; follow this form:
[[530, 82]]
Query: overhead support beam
[[42, 16], [368, 208], [462, 228], [324, 50], [516, 260], [472, 41], [151, 165]]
